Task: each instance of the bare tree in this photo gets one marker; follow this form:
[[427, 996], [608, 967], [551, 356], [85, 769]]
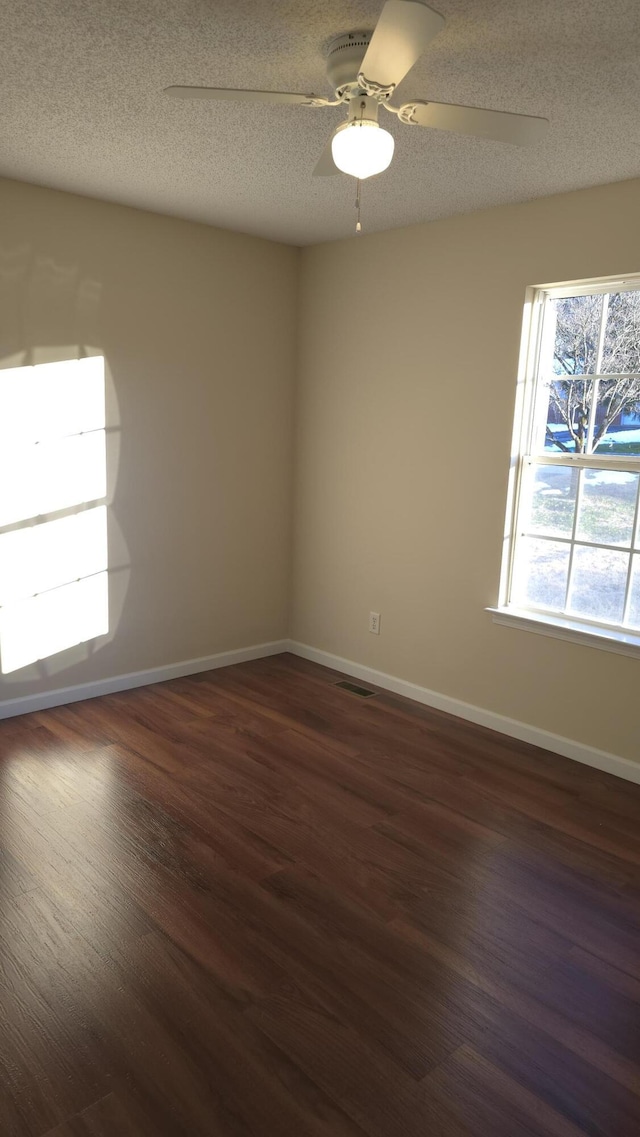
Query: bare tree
[[574, 362]]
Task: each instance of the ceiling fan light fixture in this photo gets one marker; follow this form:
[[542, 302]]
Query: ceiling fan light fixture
[[362, 148]]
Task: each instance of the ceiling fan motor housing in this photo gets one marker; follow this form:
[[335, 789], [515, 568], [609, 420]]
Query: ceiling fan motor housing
[[344, 59]]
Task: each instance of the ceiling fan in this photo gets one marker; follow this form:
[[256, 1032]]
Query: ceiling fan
[[364, 69]]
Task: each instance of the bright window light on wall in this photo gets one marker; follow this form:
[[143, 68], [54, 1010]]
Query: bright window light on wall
[[53, 517]]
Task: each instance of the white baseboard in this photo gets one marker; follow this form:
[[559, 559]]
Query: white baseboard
[[27, 703], [578, 751]]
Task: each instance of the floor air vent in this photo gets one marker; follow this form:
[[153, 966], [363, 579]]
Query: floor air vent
[[363, 692]]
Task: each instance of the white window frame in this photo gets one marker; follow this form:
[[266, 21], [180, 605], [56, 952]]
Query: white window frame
[[610, 637]]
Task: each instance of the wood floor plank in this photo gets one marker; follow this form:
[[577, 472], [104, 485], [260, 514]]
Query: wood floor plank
[[248, 902], [52, 1062], [255, 1077], [487, 1101], [104, 1118], [377, 1097], [584, 1043], [569, 1082], [234, 842]]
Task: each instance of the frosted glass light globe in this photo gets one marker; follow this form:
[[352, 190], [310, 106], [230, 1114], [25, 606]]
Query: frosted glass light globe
[[362, 148]]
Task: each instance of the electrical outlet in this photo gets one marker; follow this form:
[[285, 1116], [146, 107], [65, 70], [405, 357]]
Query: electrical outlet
[[374, 623]]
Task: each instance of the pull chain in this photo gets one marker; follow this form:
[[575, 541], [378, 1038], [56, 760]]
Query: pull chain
[[358, 225], [358, 185]]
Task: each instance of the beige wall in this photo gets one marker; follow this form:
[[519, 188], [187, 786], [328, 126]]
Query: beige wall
[[198, 330], [408, 353], [396, 509]]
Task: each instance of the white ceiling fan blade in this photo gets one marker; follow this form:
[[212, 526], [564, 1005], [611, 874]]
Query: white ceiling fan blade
[[403, 31], [325, 165], [501, 126], [245, 96]]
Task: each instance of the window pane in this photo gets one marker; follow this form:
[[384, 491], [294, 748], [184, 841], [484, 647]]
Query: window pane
[[622, 333], [553, 501], [575, 346], [607, 507], [634, 607], [540, 576], [41, 557], [617, 429], [598, 582], [44, 625], [44, 477], [563, 409]]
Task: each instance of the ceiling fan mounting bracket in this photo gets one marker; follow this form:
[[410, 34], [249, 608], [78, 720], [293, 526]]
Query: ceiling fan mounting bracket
[[375, 90], [345, 54]]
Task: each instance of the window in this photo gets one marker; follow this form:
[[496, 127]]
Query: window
[[572, 554], [53, 516]]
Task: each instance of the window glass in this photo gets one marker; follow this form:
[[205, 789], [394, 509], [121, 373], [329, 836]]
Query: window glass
[[577, 333], [540, 579], [566, 406], [621, 350], [617, 422], [598, 582], [607, 507], [553, 501]]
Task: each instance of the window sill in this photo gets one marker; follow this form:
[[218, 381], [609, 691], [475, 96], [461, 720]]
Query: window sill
[[563, 628]]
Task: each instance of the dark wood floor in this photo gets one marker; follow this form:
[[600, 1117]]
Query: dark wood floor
[[249, 902]]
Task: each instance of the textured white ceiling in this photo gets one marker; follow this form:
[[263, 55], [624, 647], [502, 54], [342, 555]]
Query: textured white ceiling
[[81, 107]]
